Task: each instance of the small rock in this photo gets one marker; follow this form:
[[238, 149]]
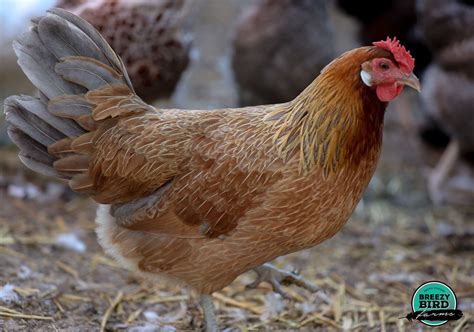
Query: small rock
[[8, 294], [71, 241]]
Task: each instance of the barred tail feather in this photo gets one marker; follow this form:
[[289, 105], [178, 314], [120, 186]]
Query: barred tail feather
[[65, 58]]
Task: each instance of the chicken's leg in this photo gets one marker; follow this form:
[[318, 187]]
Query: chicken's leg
[[209, 314], [276, 277], [439, 174]]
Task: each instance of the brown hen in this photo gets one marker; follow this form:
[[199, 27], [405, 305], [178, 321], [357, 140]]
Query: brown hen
[[279, 48], [199, 197], [149, 36]]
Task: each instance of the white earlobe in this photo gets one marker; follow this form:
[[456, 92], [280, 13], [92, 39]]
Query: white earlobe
[[366, 78]]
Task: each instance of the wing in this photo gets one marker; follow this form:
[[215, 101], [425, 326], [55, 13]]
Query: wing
[[187, 173], [178, 173]]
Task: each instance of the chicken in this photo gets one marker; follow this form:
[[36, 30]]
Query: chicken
[[279, 47], [445, 22], [148, 36], [448, 28], [199, 197]]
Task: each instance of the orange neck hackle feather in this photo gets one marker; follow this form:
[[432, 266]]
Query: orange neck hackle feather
[[335, 120]]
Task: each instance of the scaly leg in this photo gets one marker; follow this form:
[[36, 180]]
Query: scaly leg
[[276, 277], [439, 174], [209, 314]]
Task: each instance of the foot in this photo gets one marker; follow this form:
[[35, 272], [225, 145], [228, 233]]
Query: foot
[[277, 277]]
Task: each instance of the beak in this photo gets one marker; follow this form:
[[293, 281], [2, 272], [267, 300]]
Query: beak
[[410, 80]]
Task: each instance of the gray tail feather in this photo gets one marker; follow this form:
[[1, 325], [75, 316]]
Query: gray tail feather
[[64, 57]]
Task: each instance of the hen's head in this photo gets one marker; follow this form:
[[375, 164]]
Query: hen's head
[[389, 75]]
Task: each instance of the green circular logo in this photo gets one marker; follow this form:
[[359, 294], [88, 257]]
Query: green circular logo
[[431, 297]]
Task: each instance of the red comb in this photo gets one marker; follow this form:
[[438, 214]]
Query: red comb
[[403, 57]]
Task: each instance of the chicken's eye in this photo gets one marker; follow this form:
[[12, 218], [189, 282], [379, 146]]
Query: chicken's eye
[[383, 65]]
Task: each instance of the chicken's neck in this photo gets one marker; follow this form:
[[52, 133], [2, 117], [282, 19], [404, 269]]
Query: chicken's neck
[[333, 123]]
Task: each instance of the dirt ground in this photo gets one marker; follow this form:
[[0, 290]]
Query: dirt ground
[[58, 278]]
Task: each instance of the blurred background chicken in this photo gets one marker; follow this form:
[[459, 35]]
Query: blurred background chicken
[[279, 47], [149, 36], [448, 96], [379, 19]]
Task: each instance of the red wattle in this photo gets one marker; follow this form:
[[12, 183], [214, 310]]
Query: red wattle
[[387, 92]]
